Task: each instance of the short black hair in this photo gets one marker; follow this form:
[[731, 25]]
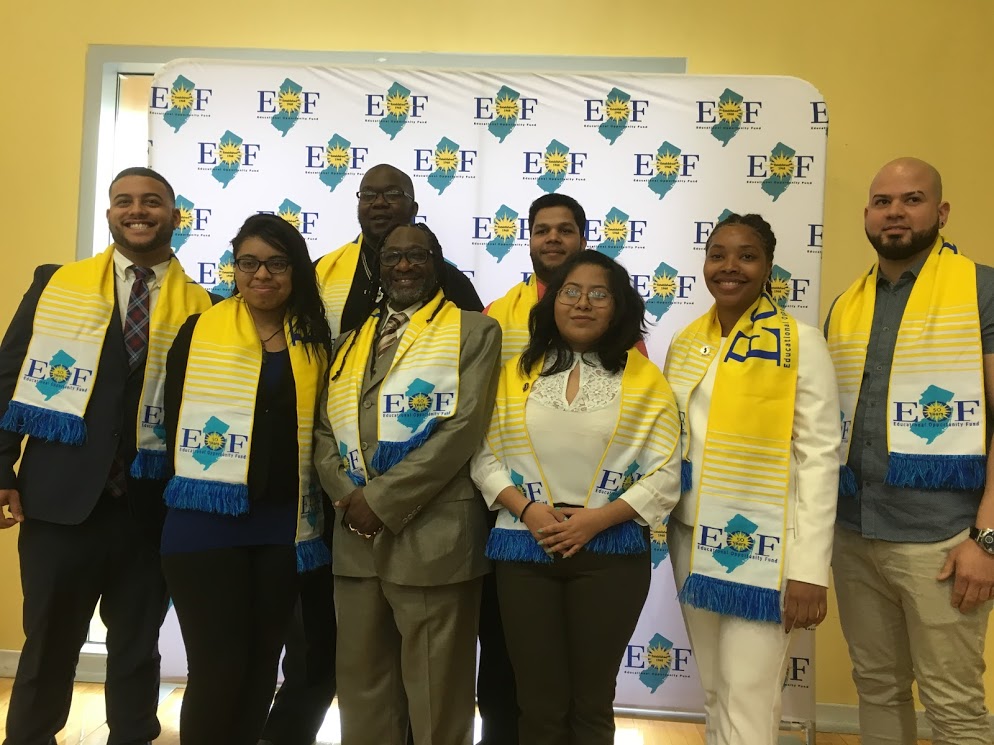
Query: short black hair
[[559, 200], [757, 223], [626, 329], [146, 172]]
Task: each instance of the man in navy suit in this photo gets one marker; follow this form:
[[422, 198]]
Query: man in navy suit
[[88, 530]]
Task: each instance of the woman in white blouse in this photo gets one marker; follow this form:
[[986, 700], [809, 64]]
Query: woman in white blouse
[[751, 538], [581, 456]]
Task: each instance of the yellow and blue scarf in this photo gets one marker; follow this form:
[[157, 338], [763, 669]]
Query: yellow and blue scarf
[[420, 389], [216, 423], [737, 560], [936, 405], [512, 313], [644, 439], [63, 358], [335, 274]]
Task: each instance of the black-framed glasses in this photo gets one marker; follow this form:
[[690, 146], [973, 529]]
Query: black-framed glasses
[[414, 256], [571, 296], [250, 264], [392, 196]]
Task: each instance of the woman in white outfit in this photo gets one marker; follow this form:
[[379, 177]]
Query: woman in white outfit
[[751, 538]]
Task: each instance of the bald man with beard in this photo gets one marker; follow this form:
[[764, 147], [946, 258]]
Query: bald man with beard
[[913, 345]]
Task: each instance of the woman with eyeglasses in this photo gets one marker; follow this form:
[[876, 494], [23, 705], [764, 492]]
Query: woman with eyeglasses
[[244, 506], [751, 538], [581, 456]]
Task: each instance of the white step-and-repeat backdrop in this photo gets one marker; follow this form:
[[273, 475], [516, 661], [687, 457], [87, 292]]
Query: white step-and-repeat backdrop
[[656, 161]]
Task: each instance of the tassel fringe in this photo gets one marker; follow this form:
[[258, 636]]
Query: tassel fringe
[[217, 497], [956, 472], [312, 554], [732, 598], [45, 424], [151, 464]]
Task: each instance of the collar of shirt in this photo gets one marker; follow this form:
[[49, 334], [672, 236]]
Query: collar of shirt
[[909, 275], [125, 274], [409, 311]]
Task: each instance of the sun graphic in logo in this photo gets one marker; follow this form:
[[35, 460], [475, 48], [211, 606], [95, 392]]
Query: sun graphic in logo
[[214, 440], [289, 101], [506, 107], [729, 111], [781, 165], [59, 373], [658, 534], [226, 273], [659, 658], [504, 227], [185, 218], [556, 162], [419, 402], [626, 483], [779, 289], [667, 163], [181, 97], [937, 411], [741, 542], [615, 229], [617, 109], [664, 285], [445, 159], [337, 156], [291, 217], [398, 105], [229, 153]]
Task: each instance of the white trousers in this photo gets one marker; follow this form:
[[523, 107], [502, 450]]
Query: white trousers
[[741, 663]]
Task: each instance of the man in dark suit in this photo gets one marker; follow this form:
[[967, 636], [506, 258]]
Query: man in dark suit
[[88, 530]]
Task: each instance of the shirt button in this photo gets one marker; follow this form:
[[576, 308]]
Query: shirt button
[[886, 328], [366, 403], [363, 446], [879, 368], [868, 443]]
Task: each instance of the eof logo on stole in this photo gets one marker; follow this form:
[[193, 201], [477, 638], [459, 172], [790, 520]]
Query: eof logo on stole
[[615, 114], [287, 105], [737, 543], [786, 289], [444, 164], [57, 375], [936, 411], [506, 111], [212, 443], [780, 170], [656, 662], [668, 166], [335, 160], [180, 102], [556, 165], [728, 115], [498, 234], [228, 157], [395, 109]]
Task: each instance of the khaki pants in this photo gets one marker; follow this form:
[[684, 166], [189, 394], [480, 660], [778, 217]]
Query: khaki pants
[[900, 627]]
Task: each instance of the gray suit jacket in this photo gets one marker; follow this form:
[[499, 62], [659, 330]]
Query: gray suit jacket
[[435, 520]]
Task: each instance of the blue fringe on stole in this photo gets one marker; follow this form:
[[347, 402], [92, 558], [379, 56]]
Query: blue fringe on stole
[[312, 554], [218, 497], [624, 538], [45, 424], [956, 472], [686, 475], [151, 464], [847, 482], [732, 598], [389, 454], [505, 544]]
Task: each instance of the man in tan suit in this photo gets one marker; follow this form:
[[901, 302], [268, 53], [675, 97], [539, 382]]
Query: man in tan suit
[[409, 541]]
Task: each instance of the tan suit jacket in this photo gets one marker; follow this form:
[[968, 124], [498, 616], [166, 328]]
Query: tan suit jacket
[[435, 521]]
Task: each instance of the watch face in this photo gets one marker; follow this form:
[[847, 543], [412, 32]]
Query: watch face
[[988, 540]]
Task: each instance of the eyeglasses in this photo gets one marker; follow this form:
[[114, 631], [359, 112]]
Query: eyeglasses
[[250, 265], [415, 257], [572, 295], [391, 196]]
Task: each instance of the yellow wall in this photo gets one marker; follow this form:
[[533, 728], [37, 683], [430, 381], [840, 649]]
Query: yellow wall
[[904, 78]]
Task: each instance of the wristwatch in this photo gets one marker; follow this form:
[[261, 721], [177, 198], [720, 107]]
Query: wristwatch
[[984, 538]]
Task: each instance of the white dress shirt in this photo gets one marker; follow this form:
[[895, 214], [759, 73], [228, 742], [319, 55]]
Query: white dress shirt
[[124, 278]]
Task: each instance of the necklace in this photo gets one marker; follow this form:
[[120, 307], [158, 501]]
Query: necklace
[[265, 352]]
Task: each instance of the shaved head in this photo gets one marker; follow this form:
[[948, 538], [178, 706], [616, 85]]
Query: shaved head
[[914, 169]]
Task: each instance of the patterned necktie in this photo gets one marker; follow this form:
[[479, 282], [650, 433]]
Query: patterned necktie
[[136, 317], [389, 335]]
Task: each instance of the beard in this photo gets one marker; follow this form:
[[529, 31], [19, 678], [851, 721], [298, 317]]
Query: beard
[[404, 296], [904, 247], [157, 240]]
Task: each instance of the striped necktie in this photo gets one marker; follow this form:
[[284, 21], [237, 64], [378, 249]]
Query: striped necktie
[[137, 316], [389, 335]]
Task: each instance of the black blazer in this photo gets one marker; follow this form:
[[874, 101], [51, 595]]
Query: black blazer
[[61, 483], [272, 472]]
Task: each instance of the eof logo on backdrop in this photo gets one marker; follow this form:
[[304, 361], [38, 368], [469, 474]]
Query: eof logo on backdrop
[[656, 161]]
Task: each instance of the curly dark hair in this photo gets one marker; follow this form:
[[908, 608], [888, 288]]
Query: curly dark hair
[[626, 329], [307, 315]]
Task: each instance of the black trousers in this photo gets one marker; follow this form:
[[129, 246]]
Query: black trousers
[[309, 683], [567, 626], [234, 606], [496, 694], [65, 570]]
